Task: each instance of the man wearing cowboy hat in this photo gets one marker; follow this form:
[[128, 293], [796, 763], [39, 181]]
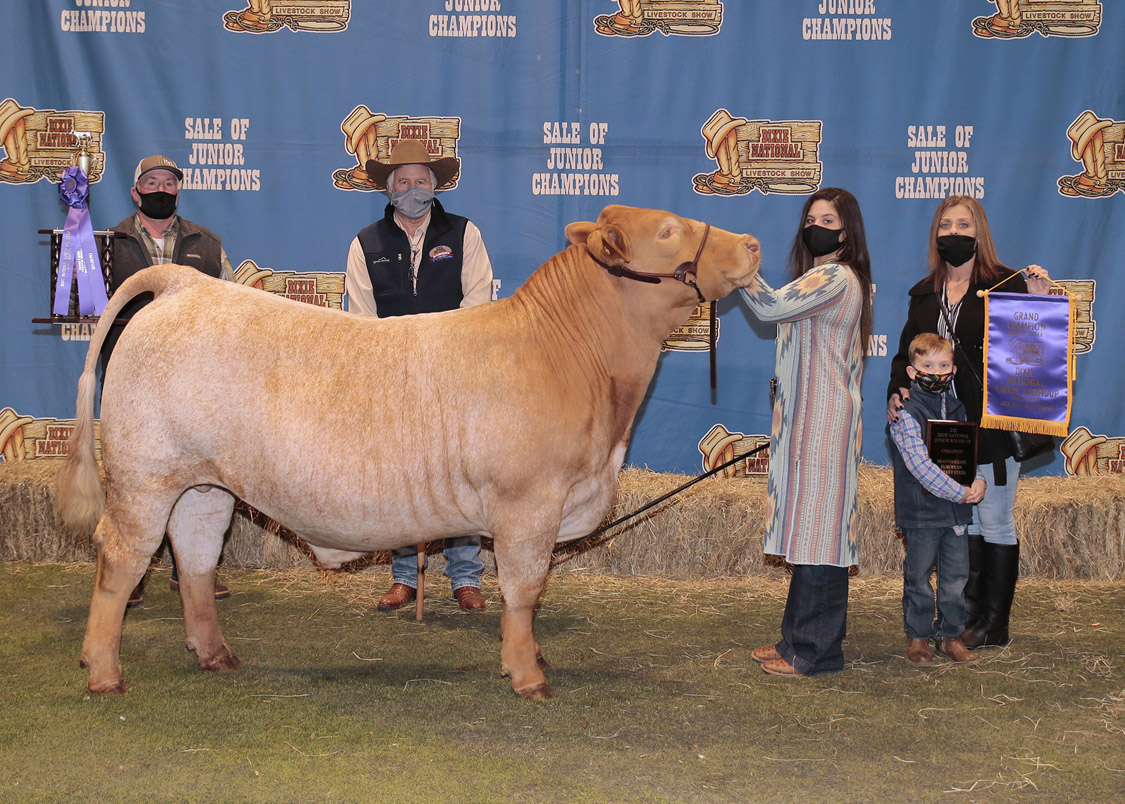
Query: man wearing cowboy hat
[[418, 258], [154, 235]]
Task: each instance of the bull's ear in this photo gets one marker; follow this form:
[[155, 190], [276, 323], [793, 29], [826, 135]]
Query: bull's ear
[[607, 243], [578, 231]]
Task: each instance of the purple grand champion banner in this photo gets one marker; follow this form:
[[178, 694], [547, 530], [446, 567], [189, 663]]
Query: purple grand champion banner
[[78, 254], [1028, 365]]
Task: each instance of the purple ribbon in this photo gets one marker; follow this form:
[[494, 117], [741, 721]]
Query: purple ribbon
[[1028, 337], [78, 255]]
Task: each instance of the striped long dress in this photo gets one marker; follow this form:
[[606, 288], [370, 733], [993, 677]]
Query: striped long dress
[[816, 431]]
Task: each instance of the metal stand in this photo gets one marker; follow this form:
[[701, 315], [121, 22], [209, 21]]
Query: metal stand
[[105, 253]]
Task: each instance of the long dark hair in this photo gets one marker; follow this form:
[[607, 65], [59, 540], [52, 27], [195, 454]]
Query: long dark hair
[[987, 268], [853, 251]]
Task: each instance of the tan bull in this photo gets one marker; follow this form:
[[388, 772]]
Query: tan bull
[[360, 434]]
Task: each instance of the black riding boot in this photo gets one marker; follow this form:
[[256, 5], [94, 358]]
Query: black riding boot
[[1001, 568], [974, 584]]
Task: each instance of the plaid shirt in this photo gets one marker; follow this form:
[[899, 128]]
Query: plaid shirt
[[167, 246]]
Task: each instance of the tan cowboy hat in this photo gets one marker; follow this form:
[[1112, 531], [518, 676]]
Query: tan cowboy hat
[[1082, 130], [717, 128], [10, 114], [413, 152]]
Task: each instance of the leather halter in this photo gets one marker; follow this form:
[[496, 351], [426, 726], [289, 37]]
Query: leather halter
[[686, 273]]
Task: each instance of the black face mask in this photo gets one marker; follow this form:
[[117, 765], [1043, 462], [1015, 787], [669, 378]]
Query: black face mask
[[158, 205], [956, 249], [934, 383], [820, 241]]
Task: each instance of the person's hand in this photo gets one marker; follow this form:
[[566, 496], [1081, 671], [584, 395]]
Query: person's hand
[[975, 493], [894, 404], [1038, 280]]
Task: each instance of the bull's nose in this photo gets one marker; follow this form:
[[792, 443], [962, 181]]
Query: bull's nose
[[752, 245]]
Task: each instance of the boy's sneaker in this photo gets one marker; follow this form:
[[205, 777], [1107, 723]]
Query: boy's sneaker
[[918, 652], [953, 648]]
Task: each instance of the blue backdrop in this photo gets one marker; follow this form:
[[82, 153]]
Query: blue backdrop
[[729, 112]]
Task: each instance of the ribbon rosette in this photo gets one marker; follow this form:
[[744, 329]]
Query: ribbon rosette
[[78, 255]]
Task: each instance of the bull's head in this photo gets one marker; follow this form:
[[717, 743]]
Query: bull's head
[[650, 245]]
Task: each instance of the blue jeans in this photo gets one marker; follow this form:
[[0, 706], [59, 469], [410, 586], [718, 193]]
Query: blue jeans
[[949, 552], [994, 517], [463, 563], [816, 619]]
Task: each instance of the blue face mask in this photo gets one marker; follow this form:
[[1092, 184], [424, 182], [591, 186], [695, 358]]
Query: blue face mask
[[413, 202]]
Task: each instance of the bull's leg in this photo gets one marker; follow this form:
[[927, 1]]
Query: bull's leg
[[121, 565], [196, 528], [522, 570]]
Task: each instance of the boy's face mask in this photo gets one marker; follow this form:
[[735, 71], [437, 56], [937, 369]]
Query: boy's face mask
[[934, 383]]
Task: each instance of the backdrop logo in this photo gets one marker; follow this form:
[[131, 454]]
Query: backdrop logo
[[670, 17], [267, 16], [1099, 145], [720, 445], [1089, 454], [1015, 19], [371, 135], [1082, 293], [317, 289], [694, 335], [25, 438], [771, 156], [40, 143]]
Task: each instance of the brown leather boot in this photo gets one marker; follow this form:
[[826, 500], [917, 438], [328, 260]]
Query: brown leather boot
[[953, 648], [918, 651], [469, 598], [396, 597]]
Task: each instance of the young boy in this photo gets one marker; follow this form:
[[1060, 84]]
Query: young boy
[[934, 525]]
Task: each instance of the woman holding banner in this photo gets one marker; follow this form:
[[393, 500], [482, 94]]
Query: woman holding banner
[[824, 322], [950, 301]]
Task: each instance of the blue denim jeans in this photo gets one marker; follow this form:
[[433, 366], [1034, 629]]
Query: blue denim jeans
[[463, 564], [949, 552], [816, 619], [994, 517]]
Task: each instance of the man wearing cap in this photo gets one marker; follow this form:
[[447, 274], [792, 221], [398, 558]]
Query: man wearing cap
[[418, 258], [154, 235]]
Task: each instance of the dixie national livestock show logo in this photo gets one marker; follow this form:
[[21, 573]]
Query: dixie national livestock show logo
[[1099, 146], [268, 16], [317, 289], [670, 17], [1015, 19], [25, 438], [772, 156], [40, 143], [694, 335], [720, 445], [372, 135]]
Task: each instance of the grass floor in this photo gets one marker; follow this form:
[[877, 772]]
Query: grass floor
[[657, 699]]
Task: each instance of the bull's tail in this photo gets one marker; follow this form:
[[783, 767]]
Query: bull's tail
[[79, 495]]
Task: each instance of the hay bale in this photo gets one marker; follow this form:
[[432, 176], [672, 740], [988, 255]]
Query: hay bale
[[1071, 528]]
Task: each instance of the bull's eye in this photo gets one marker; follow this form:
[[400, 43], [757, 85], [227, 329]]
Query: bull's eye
[[666, 233]]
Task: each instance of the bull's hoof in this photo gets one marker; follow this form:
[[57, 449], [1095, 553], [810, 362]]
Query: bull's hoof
[[116, 686], [539, 692], [225, 662]]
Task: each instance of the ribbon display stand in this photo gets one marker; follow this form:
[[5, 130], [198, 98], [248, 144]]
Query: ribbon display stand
[[105, 252]]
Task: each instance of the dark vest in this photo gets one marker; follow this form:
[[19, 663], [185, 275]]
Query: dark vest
[[386, 250], [196, 246], [914, 506]]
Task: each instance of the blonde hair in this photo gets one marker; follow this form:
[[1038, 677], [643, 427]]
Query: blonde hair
[[928, 343]]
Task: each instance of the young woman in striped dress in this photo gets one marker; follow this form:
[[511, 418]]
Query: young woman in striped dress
[[823, 322]]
